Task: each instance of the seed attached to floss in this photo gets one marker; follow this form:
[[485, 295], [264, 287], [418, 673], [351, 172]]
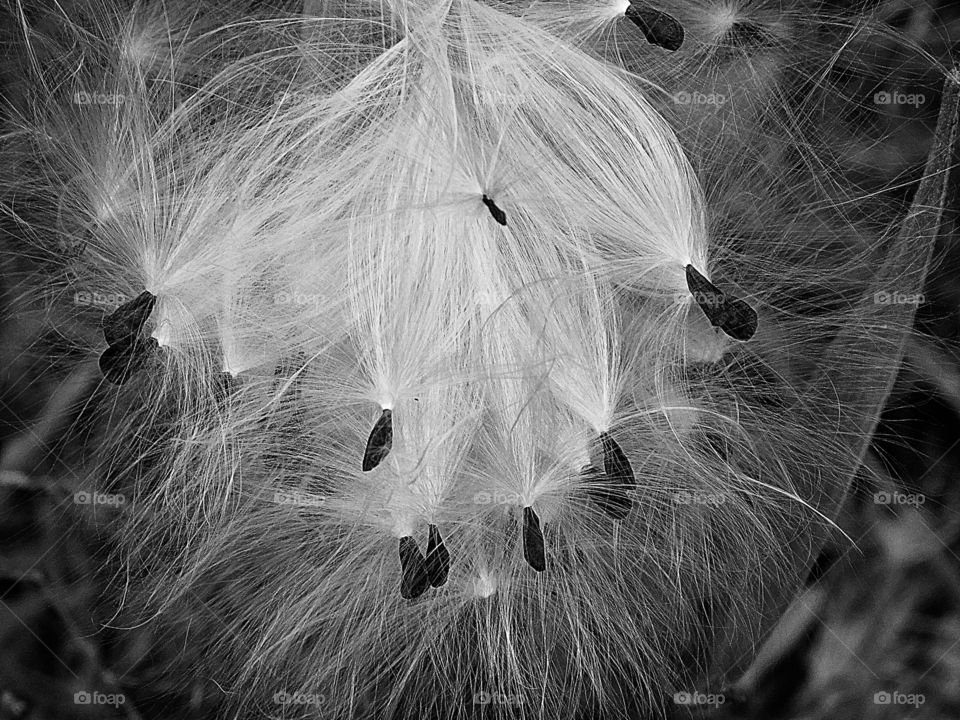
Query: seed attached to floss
[[127, 321], [615, 463], [533, 551], [612, 485], [415, 580], [658, 27], [380, 441], [498, 214], [438, 558], [127, 351], [732, 315]]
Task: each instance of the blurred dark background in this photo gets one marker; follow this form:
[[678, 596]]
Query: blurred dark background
[[876, 634]]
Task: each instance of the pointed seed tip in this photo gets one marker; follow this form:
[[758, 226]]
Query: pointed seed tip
[[609, 487], [128, 319], [380, 441], [616, 464], [496, 211], [734, 316], [533, 544], [659, 28]]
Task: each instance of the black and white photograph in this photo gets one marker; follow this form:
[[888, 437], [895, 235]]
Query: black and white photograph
[[479, 359]]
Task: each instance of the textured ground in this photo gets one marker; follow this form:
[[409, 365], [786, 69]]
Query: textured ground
[[876, 635]]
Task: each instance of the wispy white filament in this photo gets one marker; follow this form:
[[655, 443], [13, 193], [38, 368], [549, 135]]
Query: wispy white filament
[[460, 213]]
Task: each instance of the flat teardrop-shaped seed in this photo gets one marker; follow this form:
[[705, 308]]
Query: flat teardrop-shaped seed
[[438, 558], [380, 441], [738, 319], [533, 550], [415, 580], [498, 214], [127, 321], [122, 360], [732, 315], [610, 490], [658, 27], [616, 466]]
